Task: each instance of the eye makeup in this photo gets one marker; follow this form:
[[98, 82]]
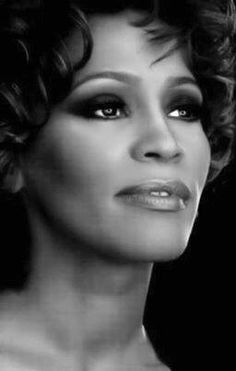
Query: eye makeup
[[186, 107], [179, 103], [102, 106]]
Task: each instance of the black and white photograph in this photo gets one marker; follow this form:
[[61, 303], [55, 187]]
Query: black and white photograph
[[117, 184]]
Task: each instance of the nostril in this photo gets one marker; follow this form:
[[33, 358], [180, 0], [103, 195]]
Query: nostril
[[152, 154], [157, 145], [163, 155]]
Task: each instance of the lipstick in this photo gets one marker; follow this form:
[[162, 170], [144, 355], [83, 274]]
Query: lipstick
[[159, 195]]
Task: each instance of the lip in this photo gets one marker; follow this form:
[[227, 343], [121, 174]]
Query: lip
[[160, 195]]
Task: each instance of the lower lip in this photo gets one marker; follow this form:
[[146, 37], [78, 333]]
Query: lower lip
[[168, 203]]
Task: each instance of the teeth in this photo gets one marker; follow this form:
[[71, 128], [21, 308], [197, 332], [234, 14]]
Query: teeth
[[160, 193]]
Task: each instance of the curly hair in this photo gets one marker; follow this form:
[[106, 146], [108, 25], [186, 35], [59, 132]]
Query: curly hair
[[36, 71]]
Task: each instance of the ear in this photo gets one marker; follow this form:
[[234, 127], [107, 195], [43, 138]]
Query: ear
[[14, 181]]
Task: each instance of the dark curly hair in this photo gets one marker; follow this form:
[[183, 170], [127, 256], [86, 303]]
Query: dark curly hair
[[36, 71]]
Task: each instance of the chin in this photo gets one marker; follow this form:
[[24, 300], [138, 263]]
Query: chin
[[146, 245], [159, 248], [143, 235], [136, 237], [153, 242], [168, 250]]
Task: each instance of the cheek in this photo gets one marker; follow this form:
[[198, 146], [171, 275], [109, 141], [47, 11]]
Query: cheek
[[83, 162], [73, 172], [203, 159], [199, 156], [70, 162]]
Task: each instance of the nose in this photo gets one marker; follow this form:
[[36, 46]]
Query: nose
[[156, 141]]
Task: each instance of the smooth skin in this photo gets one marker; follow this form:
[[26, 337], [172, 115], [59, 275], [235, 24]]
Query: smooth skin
[[93, 254]]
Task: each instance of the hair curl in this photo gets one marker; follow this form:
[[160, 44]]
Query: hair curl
[[36, 71]]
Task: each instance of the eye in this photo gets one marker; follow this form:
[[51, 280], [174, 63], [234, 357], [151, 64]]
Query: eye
[[102, 107], [110, 111], [187, 112]]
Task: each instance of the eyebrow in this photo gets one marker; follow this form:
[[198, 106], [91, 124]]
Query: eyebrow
[[126, 77], [130, 78], [175, 81]]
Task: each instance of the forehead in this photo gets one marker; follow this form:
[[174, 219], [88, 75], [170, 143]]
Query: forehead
[[120, 45]]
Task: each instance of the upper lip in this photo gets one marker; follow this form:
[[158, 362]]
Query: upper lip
[[173, 187]]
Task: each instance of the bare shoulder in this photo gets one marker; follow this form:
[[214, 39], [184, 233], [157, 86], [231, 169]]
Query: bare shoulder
[[16, 323], [157, 367], [8, 364], [163, 368], [22, 346], [28, 353]]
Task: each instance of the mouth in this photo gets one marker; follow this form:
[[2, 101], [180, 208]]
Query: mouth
[[158, 195]]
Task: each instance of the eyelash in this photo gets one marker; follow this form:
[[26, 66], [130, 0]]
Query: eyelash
[[88, 108], [189, 108]]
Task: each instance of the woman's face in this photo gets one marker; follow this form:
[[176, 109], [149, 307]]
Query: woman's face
[[129, 121]]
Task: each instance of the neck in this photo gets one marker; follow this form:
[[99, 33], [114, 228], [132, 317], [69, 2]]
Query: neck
[[88, 302]]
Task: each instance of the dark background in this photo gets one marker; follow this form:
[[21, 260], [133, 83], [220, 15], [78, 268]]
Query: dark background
[[189, 308], [189, 312]]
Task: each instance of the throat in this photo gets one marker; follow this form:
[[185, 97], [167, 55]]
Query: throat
[[89, 304]]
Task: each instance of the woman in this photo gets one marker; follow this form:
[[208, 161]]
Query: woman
[[110, 127]]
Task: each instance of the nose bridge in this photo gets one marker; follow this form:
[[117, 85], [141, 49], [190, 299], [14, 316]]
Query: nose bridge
[[155, 137]]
